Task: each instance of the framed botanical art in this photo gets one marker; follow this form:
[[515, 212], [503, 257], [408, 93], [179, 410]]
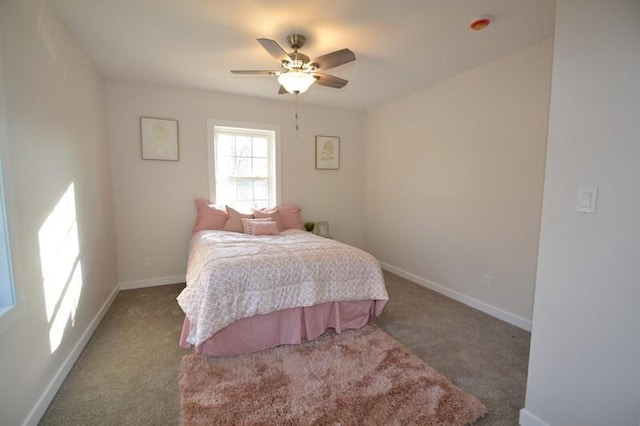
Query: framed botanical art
[[159, 138], [327, 152]]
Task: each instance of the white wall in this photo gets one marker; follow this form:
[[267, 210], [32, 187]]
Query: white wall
[[585, 345], [55, 139], [454, 177], [154, 199]]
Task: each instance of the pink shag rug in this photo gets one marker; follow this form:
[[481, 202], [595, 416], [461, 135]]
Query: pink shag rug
[[357, 377]]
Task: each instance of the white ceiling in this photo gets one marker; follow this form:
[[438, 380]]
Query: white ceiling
[[400, 45]]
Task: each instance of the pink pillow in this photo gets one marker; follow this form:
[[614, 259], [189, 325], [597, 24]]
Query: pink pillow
[[263, 228], [271, 214], [246, 222], [234, 223], [290, 217], [209, 216]]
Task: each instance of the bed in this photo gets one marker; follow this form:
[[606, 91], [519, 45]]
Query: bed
[[247, 293]]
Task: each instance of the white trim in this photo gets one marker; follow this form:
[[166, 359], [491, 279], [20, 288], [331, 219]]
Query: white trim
[[528, 419], [152, 282], [50, 391], [8, 300], [469, 301], [211, 155], [9, 315]]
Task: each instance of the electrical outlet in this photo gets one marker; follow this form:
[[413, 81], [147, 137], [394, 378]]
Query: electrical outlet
[[486, 281], [146, 262]]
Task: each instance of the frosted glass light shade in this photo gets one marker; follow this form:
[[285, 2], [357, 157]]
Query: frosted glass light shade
[[296, 81]]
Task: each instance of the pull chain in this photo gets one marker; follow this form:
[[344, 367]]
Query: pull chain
[[297, 126]]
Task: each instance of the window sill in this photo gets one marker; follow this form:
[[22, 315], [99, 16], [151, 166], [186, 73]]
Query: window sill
[[9, 315]]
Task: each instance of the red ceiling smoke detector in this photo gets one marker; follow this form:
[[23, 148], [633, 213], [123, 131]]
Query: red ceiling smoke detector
[[479, 24]]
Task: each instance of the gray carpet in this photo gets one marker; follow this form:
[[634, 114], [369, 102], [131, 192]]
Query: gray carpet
[[128, 372]]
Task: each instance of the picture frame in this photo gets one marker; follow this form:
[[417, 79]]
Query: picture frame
[[327, 153], [322, 229], [159, 139]]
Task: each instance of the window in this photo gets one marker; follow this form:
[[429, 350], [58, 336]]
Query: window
[[8, 314], [7, 293], [243, 165]]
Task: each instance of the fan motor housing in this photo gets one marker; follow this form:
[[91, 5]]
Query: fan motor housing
[[296, 41]]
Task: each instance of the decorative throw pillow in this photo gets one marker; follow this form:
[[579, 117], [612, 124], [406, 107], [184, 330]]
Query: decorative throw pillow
[[247, 222], [209, 216], [268, 213], [264, 228], [290, 217], [234, 223]]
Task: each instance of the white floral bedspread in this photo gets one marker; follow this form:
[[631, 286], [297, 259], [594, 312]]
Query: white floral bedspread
[[231, 276]]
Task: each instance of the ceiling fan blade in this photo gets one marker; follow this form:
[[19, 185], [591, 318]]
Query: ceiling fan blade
[[334, 59], [266, 72], [274, 50], [282, 90], [330, 80]]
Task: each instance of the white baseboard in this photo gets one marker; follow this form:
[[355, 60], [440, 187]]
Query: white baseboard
[[152, 282], [50, 391], [469, 301], [528, 419]]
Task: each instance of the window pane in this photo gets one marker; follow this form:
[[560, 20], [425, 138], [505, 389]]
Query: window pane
[[243, 146], [226, 191], [261, 204], [260, 167], [245, 190], [225, 166], [261, 189], [260, 147], [243, 167], [226, 145], [244, 206]]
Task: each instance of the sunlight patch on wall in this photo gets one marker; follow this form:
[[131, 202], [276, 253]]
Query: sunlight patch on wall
[[61, 267]]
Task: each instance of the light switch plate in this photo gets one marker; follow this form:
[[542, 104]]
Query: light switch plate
[[587, 199]]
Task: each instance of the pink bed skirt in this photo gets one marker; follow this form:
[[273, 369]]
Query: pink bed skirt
[[286, 327]]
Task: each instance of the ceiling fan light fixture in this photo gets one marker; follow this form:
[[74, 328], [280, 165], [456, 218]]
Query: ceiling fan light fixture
[[296, 81]]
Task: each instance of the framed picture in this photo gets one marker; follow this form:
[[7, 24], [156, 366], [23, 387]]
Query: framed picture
[[159, 138], [322, 229], [327, 153]]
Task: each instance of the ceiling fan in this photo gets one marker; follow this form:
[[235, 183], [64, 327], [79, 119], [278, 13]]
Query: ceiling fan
[[297, 71]]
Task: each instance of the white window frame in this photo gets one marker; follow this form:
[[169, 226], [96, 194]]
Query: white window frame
[[7, 288], [212, 125], [8, 299]]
